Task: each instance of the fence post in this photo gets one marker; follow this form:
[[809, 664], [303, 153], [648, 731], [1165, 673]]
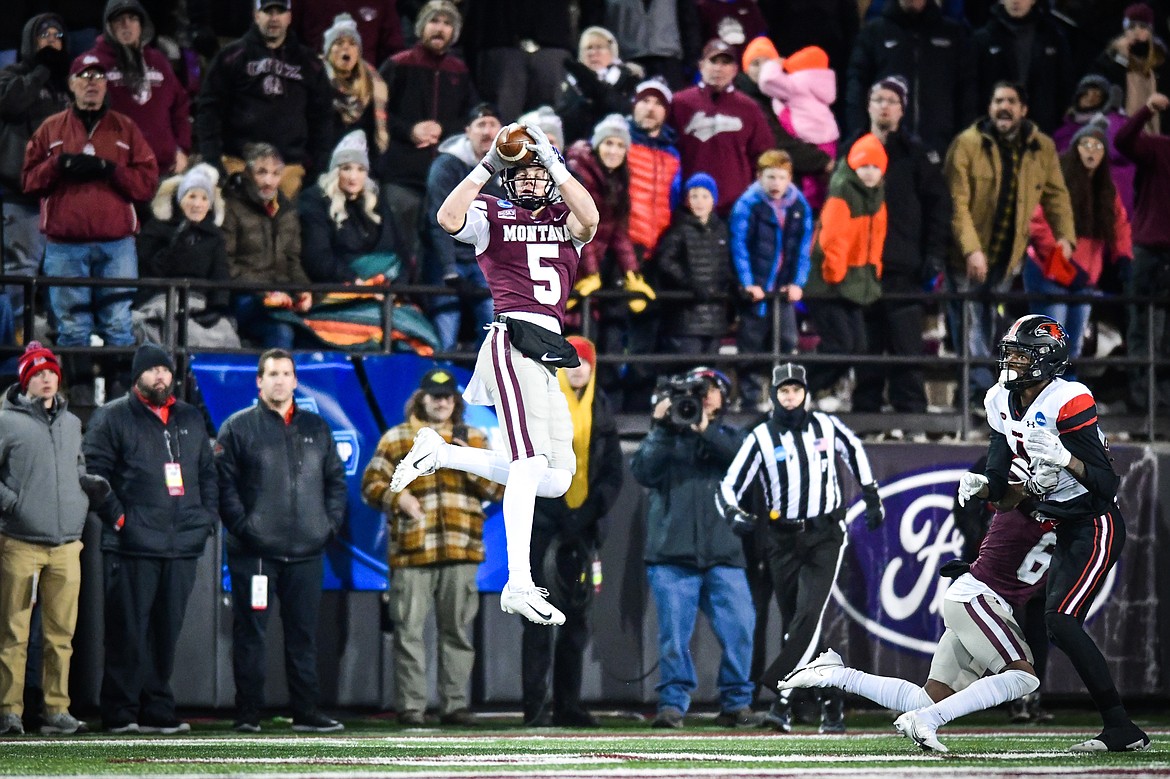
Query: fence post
[[965, 372]]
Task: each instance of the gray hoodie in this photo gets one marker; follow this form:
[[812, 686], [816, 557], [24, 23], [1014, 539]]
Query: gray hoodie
[[41, 500]]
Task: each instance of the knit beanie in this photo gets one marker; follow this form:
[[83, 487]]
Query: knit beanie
[[1139, 13], [705, 181], [585, 349], [343, 27], [612, 126], [757, 48], [352, 148], [35, 359], [895, 84], [867, 150], [808, 58], [546, 119], [201, 176], [433, 9], [150, 356], [1097, 127]]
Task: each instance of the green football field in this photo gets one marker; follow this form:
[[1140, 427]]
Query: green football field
[[980, 746]]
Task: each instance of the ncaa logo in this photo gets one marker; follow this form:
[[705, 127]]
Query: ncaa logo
[[895, 591]]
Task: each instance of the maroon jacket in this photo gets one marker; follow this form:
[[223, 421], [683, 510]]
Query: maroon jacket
[[721, 134], [89, 211], [377, 23], [1152, 185], [613, 228], [162, 110]]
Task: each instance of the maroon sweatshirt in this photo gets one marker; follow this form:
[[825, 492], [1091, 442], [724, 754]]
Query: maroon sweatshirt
[[1152, 183]]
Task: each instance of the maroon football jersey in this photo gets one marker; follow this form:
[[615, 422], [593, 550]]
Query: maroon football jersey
[[531, 259], [1014, 556]]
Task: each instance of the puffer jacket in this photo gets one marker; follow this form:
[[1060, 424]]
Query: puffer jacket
[[127, 443], [260, 247], [682, 471], [806, 95], [29, 94], [282, 484], [41, 500], [765, 253], [847, 252], [613, 234], [655, 184], [694, 257]]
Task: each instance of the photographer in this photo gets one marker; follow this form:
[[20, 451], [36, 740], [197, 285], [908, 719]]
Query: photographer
[[693, 560], [791, 456]]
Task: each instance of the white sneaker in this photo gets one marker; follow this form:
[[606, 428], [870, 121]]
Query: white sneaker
[[815, 674], [911, 726], [531, 605], [422, 459]]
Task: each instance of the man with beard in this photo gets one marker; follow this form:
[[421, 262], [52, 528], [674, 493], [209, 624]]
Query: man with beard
[[655, 170], [998, 170], [155, 452], [267, 87], [142, 84]]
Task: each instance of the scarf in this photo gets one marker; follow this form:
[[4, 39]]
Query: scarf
[[353, 93], [581, 412]]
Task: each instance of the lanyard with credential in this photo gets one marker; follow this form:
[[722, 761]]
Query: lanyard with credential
[[172, 471]]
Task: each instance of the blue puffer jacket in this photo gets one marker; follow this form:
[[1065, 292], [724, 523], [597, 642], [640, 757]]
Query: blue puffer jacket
[[762, 252]]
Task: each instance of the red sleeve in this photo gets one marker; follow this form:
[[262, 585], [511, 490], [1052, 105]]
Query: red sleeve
[[138, 178], [1123, 237], [1079, 412], [40, 172], [1043, 241]]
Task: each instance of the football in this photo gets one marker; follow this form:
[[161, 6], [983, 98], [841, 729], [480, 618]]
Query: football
[[510, 145]]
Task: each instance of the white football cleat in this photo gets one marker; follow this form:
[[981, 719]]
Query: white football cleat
[[919, 732], [531, 605], [421, 460], [814, 674]]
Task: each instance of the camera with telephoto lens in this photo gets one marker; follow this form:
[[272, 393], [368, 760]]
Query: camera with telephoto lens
[[686, 394]]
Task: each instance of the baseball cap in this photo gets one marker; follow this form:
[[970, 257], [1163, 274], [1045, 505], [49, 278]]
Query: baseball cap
[[285, 5], [86, 62], [480, 110], [438, 381], [653, 86], [716, 47]]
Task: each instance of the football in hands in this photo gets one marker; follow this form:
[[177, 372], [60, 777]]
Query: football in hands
[[510, 145]]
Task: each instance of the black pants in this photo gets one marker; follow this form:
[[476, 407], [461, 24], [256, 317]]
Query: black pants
[[145, 600], [841, 327], [1150, 275], [1085, 552], [892, 327], [538, 656], [297, 585], [803, 565]]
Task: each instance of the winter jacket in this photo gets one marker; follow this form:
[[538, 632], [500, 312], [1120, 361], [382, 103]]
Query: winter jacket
[[934, 55], [655, 184], [452, 501], [1152, 184], [722, 134], [807, 159], [694, 257], [170, 247], [128, 444], [1089, 254], [974, 171], [830, 24], [736, 22], [29, 94], [502, 24], [682, 471], [918, 233], [652, 28], [161, 108], [805, 96], [278, 96], [261, 247], [1121, 168], [765, 253], [329, 247], [440, 252], [41, 501], [422, 86], [378, 24], [586, 97], [282, 490], [1113, 64], [1051, 73], [613, 228], [88, 211], [847, 253]]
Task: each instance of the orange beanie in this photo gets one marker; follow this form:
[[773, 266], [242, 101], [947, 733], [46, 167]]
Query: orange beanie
[[808, 58], [759, 47], [867, 150]]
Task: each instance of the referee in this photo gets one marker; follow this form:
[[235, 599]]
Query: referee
[[791, 456]]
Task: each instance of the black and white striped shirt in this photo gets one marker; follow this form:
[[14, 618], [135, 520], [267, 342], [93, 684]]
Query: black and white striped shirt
[[796, 467]]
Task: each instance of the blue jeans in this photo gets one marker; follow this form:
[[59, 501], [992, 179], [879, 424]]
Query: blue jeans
[[256, 325], [76, 308], [723, 595], [447, 310], [1072, 315]]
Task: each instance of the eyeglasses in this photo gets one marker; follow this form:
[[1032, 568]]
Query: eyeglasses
[[91, 75], [51, 36], [1092, 144]]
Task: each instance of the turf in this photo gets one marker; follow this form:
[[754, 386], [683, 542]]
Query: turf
[[377, 747]]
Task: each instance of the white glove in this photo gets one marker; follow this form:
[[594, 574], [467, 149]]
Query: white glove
[[492, 162], [1044, 478], [970, 485], [546, 154], [1043, 445]]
